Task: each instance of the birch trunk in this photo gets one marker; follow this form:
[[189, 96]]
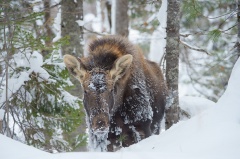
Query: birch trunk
[[172, 61]]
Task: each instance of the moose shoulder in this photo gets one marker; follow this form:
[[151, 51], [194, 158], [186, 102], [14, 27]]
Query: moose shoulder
[[124, 94]]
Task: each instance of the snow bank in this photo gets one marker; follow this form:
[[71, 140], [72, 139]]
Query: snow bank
[[195, 105], [11, 149], [212, 134]]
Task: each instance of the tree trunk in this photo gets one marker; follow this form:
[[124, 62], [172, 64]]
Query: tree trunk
[[7, 46], [71, 12], [120, 17], [172, 61], [47, 24], [238, 21], [109, 8]]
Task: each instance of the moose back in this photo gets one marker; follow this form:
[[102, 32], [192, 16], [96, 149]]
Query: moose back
[[124, 94]]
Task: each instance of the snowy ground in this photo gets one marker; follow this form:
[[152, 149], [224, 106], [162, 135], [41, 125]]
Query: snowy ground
[[211, 133]]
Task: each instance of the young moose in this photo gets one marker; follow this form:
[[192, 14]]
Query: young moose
[[124, 94]]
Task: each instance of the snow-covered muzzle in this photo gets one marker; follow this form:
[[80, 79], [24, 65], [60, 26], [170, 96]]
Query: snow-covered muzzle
[[98, 103], [98, 100], [99, 120]]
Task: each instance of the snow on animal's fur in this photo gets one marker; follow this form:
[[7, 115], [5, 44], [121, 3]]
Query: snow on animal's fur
[[124, 94]]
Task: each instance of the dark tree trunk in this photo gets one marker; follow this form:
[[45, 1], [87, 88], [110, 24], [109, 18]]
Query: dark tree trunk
[[238, 21], [121, 23], [48, 23], [71, 12], [172, 61], [109, 8]]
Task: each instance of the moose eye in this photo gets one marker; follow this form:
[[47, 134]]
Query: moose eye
[[72, 71]]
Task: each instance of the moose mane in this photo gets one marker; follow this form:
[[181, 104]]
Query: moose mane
[[103, 52]]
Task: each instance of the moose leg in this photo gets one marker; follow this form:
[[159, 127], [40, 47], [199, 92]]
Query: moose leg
[[113, 145], [155, 127]]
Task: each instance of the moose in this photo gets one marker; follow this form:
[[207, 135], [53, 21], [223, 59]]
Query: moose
[[124, 94]]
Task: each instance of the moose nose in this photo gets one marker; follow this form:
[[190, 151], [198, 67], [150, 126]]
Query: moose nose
[[99, 125]]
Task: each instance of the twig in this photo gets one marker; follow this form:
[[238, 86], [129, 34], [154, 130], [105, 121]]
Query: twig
[[187, 35], [192, 48], [222, 14], [94, 32], [229, 28], [202, 33]]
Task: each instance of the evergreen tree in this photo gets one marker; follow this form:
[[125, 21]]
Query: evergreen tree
[[38, 109]]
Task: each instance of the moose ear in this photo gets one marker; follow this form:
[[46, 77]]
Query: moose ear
[[121, 66], [73, 66]]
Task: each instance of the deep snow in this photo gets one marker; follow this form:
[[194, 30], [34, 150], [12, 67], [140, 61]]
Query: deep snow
[[213, 133]]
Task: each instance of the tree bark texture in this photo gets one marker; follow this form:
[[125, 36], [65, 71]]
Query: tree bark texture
[[47, 24], [172, 62], [238, 21], [122, 18], [71, 12]]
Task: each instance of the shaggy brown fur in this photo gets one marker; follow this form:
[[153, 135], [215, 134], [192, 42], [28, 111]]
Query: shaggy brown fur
[[103, 52], [124, 93]]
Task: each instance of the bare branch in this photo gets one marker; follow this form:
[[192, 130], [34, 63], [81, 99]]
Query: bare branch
[[222, 14], [102, 34], [192, 48], [197, 33], [204, 33]]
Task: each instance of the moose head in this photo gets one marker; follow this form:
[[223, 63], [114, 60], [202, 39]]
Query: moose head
[[102, 87]]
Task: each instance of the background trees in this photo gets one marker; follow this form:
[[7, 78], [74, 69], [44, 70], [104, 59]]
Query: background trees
[[211, 28], [34, 35]]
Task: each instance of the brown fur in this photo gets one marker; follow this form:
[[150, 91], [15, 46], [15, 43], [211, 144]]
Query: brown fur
[[134, 102], [103, 52]]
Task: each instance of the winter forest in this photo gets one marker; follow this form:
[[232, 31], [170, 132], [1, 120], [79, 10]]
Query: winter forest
[[194, 42]]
